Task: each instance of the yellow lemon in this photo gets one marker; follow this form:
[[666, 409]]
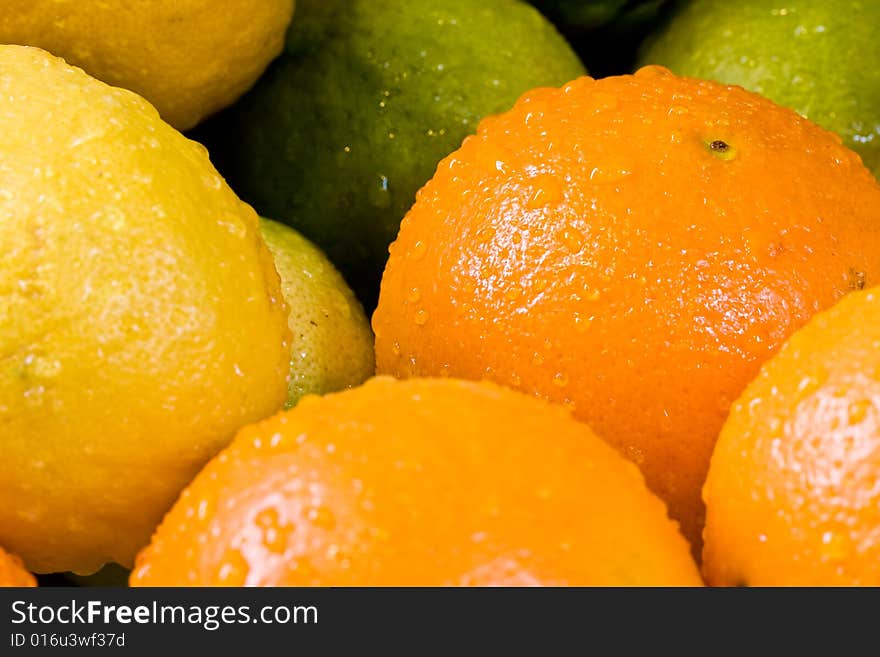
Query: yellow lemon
[[141, 318], [189, 58]]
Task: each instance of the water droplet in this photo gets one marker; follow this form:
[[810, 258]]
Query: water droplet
[[275, 539], [44, 368], [545, 190], [807, 385], [581, 324], [421, 317], [603, 101], [513, 293], [233, 225], [560, 380], [414, 295], [33, 396], [418, 250], [234, 569], [608, 174], [858, 411], [205, 508], [395, 348], [267, 517], [486, 234], [572, 239], [835, 546], [302, 568], [775, 426], [537, 359], [321, 517]]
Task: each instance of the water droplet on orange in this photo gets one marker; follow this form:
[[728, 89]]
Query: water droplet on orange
[[581, 323], [234, 569], [321, 517], [858, 411], [267, 517], [275, 538], [205, 508], [545, 191], [572, 239], [775, 426], [835, 546], [418, 250]]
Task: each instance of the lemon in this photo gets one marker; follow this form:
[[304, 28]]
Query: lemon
[[189, 58], [332, 345], [141, 318]]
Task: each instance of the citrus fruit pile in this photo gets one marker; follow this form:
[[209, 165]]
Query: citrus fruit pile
[[418, 301]]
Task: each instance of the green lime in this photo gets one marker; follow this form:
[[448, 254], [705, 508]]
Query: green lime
[[332, 345], [818, 57], [352, 120]]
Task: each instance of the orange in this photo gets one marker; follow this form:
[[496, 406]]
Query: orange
[[793, 492], [423, 482], [633, 247], [12, 572]]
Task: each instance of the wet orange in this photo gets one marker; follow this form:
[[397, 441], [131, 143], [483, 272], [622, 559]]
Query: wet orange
[[422, 482], [12, 571], [633, 247], [793, 492]]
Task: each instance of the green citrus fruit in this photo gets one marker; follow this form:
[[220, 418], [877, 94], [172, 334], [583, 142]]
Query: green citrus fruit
[[818, 57], [353, 118], [332, 346]]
